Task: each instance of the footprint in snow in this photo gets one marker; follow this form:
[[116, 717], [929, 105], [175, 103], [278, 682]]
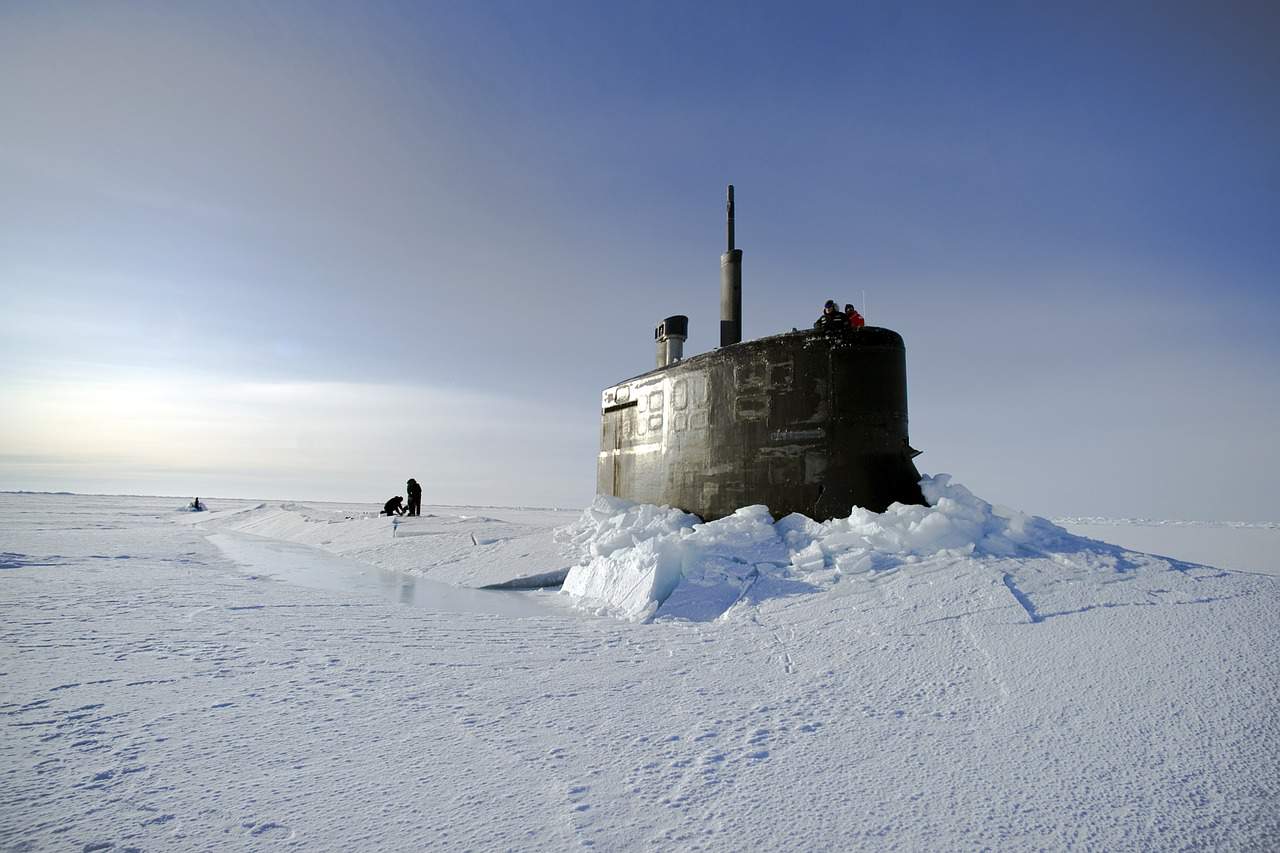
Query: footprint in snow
[[269, 827], [576, 794]]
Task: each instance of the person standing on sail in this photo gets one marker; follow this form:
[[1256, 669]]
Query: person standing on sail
[[832, 321]]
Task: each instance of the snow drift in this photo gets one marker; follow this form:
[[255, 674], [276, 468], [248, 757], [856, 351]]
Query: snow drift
[[641, 562]]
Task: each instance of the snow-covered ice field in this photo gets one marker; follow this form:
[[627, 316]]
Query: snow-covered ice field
[[295, 675], [1243, 547]]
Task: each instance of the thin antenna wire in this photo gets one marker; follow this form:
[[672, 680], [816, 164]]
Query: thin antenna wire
[[865, 315]]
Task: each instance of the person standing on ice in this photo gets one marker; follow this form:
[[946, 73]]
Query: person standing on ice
[[831, 321], [855, 319], [394, 506], [415, 497]]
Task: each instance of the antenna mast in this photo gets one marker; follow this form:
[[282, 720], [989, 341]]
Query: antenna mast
[[730, 283], [729, 222]]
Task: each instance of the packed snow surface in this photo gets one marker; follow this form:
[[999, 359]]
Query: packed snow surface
[[1251, 547], [957, 676]]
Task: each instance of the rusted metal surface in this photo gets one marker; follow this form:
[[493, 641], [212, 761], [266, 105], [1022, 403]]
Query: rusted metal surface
[[801, 422]]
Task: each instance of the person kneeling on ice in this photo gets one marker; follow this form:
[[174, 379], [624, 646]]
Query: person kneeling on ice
[[395, 506]]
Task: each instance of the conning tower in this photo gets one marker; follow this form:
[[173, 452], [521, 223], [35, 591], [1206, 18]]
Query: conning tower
[[802, 421]]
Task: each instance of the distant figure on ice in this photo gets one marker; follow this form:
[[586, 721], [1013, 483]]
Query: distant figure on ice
[[855, 319], [415, 497], [196, 506], [832, 321], [394, 506]]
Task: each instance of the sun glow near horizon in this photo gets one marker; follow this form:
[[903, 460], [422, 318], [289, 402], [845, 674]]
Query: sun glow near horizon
[[317, 437]]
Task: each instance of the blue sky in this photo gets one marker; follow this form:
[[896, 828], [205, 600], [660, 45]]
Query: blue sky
[[308, 250]]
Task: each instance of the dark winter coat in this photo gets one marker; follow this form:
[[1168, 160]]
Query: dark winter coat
[[836, 321], [394, 506]]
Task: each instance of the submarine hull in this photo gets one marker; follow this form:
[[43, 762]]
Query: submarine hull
[[802, 422]]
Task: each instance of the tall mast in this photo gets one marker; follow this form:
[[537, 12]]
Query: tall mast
[[730, 283]]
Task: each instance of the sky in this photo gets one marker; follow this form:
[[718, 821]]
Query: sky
[[308, 250]]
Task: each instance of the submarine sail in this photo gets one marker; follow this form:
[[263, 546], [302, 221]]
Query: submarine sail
[[807, 422]]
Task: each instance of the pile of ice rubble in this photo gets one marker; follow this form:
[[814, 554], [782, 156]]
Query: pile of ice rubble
[[641, 561]]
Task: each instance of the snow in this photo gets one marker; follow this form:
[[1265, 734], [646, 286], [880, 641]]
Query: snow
[[464, 546], [1240, 546], [644, 562], [958, 676], [299, 564]]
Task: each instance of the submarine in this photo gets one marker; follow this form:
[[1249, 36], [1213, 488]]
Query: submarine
[[804, 421]]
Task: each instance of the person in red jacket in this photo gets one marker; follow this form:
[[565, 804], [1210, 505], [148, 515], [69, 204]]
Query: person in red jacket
[[855, 319]]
